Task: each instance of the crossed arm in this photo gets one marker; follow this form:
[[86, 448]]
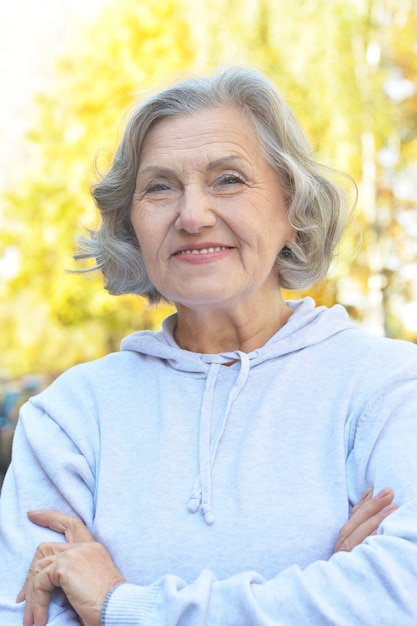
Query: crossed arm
[[85, 572]]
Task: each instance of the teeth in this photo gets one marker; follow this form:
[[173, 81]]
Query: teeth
[[204, 250]]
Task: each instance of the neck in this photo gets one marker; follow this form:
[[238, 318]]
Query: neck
[[211, 331]]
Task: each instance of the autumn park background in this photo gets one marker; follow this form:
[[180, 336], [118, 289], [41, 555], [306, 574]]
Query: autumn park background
[[347, 67]]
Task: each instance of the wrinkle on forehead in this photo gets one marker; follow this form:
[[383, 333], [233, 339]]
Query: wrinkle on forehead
[[211, 165], [203, 137]]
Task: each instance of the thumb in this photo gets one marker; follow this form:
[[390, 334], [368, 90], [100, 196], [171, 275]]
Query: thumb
[[73, 528]]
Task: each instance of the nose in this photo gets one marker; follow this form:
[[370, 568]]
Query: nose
[[196, 211]]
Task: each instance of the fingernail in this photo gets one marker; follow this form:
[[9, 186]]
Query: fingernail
[[20, 596], [383, 493], [31, 514]]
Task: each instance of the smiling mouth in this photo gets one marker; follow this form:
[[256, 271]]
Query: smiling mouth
[[202, 250]]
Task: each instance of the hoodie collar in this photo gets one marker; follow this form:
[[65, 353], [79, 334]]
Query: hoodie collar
[[308, 325]]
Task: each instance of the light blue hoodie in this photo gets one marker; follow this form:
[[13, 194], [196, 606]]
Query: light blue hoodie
[[219, 491]]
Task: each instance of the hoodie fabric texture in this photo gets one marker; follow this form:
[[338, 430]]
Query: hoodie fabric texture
[[220, 491]]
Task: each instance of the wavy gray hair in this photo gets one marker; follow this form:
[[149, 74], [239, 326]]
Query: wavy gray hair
[[316, 204]]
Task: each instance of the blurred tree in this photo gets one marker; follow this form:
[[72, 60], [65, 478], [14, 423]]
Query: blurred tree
[[348, 69], [51, 319], [382, 281]]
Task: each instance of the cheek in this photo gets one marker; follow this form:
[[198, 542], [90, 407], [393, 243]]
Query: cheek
[[152, 239], [145, 229]]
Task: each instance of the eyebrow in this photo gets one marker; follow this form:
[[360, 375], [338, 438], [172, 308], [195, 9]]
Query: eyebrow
[[156, 169], [164, 171], [224, 161]]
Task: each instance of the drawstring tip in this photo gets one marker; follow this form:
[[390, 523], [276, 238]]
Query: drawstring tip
[[207, 514], [194, 502]]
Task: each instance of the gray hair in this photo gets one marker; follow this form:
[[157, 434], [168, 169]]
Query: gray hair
[[316, 204]]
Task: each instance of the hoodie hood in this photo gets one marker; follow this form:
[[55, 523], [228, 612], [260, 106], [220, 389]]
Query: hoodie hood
[[308, 325]]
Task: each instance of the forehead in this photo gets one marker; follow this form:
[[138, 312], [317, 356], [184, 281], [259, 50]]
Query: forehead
[[209, 132]]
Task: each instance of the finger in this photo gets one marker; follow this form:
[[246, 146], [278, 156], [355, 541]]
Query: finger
[[369, 507], [368, 528], [354, 533], [366, 509], [43, 556], [73, 528], [367, 495], [39, 595], [37, 612]]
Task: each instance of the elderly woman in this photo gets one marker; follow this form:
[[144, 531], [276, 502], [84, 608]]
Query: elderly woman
[[215, 461]]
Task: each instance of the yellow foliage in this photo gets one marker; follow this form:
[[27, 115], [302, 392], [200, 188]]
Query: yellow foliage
[[330, 60]]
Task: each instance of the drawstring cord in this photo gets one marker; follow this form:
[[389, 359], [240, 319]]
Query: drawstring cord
[[201, 493], [204, 440]]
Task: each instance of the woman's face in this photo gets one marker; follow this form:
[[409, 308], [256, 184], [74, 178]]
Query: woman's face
[[208, 210]]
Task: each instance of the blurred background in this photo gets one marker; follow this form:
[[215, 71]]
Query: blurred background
[[69, 69]]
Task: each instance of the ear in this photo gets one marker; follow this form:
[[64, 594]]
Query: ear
[[292, 237]]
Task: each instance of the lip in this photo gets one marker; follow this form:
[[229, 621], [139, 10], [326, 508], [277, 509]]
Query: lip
[[210, 246], [202, 253]]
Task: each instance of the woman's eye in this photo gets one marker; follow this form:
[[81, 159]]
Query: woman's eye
[[155, 187], [231, 179]]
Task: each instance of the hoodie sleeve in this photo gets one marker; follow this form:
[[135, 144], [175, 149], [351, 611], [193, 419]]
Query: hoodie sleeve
[[52, 467], [374, 584]]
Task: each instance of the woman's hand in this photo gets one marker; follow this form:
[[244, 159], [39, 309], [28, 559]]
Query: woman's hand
[[365, 518], [82, 568]]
